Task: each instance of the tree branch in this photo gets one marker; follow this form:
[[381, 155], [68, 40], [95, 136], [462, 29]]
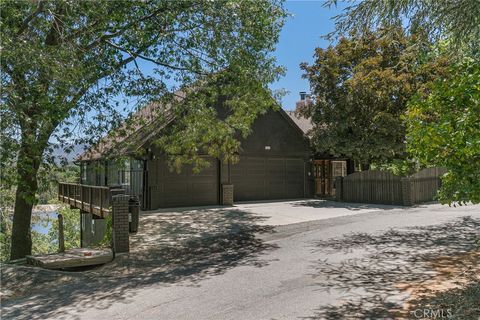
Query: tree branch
[[122, 29], [57, 27], [157, 62], [31, 17]]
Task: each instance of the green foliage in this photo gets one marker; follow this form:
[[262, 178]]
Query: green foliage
[[7, 199], [67, 67], [45, 243], [361, 87], [444, 130], [47, 194], [49, 176], [64, 60], [457, 20], [203, 129], [442, 126], [71, 229], [399, 167], [5, 235]]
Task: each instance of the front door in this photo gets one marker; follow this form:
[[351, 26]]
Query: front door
[[325, 172], [323, 181]]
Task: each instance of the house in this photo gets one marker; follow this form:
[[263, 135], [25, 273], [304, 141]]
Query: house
[[274, 163]]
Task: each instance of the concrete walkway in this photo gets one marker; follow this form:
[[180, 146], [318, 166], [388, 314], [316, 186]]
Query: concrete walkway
[[269, 213], [296, 211]]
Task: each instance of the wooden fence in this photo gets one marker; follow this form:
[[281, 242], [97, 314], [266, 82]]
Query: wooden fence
[[92, 199], [425, 184], [383, 187]]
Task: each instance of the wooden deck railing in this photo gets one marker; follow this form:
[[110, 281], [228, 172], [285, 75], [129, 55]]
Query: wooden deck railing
[[92, 199]]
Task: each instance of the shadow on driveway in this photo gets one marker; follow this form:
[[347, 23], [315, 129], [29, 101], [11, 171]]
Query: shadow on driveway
[[171, 247], [345, 205], [385, 268]]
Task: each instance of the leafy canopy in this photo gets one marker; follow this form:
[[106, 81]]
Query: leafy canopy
[[444, 130], [454, 28], [71, 69], [361, 87], [457, 20], [69, 66]]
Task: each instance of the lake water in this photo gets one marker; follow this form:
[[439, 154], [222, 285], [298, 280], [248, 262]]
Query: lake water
[[43, 221]]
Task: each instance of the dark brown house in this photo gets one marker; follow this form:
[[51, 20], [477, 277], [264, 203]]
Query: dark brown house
[[274, 163]]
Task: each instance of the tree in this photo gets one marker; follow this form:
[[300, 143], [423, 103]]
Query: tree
[[457, 20], [361, 87], [454, 26], [67, 68], [49, 176], [444, 130]]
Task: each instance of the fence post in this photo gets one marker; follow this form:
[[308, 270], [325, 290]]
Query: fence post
[[61, 237], [406, 191], [120, 224], [339, 188]]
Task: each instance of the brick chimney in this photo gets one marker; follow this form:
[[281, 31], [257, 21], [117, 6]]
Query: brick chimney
[[305, 100]]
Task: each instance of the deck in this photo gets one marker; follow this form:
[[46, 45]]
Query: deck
[[92, 199]]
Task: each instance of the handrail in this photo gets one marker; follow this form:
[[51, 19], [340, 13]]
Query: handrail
[[92, 199]]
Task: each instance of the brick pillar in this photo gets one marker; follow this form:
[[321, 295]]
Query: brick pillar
[[406, 192], [339, 188], [227, 194], [120, 223]]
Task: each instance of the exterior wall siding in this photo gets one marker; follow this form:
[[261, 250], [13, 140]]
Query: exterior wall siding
[[273, 134]]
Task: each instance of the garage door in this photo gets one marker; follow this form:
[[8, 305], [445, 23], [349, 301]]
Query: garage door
[[172, 189], [258, 178]]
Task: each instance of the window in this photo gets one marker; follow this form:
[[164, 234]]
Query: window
[[83, 169], [124, 173], [339, 168]]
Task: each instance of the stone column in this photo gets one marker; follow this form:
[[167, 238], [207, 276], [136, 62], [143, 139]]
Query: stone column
[[227, 194], [120, 223]]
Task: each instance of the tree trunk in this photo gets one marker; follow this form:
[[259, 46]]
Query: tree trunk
[[28, 162]]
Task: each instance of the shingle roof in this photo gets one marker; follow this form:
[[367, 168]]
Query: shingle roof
[[134, 132], [148, 122], [305, 124]]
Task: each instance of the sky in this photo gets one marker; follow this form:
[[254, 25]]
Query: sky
[[301, 34], [299, 37]]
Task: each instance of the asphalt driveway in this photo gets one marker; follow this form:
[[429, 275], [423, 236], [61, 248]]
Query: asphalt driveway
[[356, 262]]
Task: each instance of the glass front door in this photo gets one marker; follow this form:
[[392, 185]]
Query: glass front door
[[325, 172]]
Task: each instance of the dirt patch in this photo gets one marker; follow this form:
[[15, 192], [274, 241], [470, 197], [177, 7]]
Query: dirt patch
[[18, 280], [454, 291], [452, 272]]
